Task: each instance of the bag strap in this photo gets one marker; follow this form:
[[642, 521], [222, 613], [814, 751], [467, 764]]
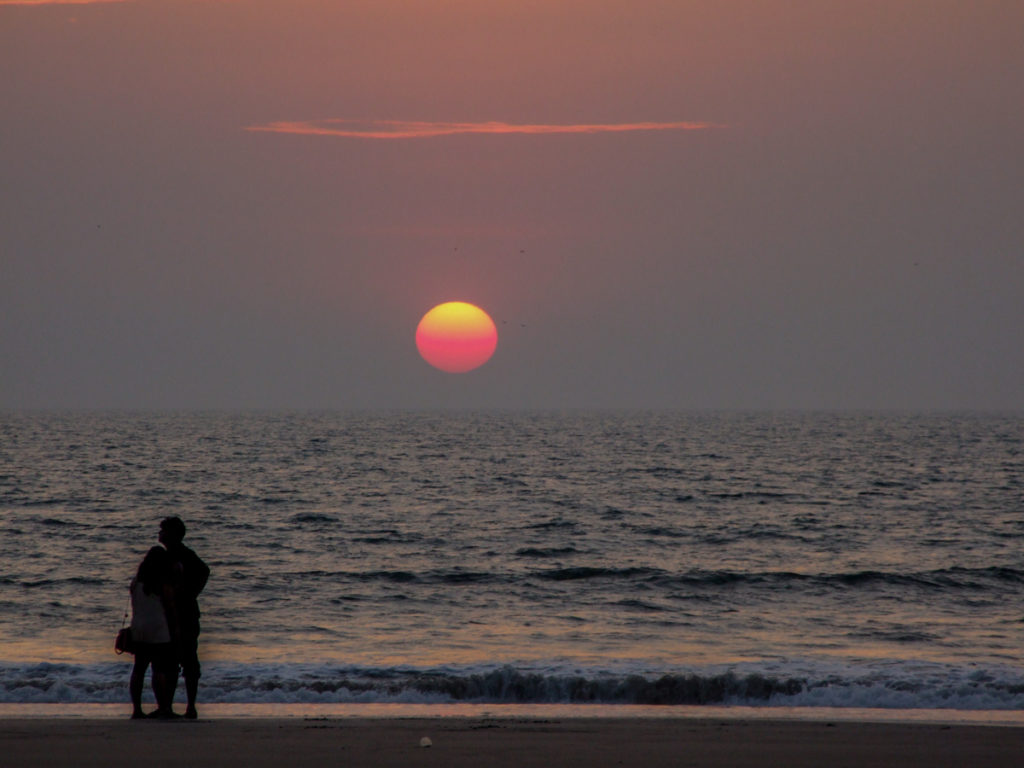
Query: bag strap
[[127, 606]]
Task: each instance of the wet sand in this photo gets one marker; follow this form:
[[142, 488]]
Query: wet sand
[[497, 743]]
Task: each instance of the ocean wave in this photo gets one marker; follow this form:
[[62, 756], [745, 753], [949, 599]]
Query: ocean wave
[[312, 517], [73, 580], [910, 685], [588, 572], [940, 579], [546, 551], [955, 578], [405, 577]]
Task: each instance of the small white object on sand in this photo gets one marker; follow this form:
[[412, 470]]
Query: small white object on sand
[[426, 742]]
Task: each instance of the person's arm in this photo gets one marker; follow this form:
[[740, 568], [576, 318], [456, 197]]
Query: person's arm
[[200, 575], [131, 600]]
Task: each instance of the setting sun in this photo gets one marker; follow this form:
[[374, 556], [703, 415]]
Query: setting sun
[[456, 337]]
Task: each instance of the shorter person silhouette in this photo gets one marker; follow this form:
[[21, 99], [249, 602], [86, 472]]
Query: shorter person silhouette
[[152, 601]]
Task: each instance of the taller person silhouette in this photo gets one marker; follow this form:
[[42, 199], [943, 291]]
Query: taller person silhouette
[[189, 575]]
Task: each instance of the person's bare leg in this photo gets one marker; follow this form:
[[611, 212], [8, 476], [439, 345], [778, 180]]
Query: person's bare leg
[[163, 688], [135, 684], [191, 691]]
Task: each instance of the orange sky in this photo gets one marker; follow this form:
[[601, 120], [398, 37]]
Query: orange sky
[[730, 204]]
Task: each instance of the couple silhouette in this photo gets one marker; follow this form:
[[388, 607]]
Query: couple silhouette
[[165, 622]]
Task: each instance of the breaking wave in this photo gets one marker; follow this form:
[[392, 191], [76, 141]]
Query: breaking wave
[[912, 685]]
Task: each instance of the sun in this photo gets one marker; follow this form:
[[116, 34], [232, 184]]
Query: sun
[[456, 337]]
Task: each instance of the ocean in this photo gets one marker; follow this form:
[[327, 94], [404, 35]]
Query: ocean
[[770, 560]]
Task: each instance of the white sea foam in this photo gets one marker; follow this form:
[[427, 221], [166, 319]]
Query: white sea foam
[[908, 685]]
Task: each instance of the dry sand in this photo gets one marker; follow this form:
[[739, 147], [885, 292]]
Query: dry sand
[[495, 743]]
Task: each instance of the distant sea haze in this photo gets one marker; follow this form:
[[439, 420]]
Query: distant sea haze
[[850, 560]]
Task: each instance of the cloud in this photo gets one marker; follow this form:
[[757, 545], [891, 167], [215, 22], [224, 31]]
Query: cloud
[[406, 129], [60, 2]]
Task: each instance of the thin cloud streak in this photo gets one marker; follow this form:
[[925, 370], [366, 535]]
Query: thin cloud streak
[[60, 2], [404, 129]]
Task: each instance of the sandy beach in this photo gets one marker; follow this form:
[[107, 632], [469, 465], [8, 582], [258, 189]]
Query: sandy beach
[[497, 743]]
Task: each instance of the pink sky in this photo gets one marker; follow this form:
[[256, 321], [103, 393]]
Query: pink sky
[[741, 204]]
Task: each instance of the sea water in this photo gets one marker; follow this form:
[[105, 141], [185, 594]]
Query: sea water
[[748, 559]]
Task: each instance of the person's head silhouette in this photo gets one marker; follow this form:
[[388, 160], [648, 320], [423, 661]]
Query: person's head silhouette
[[154, 570], [172, 531]]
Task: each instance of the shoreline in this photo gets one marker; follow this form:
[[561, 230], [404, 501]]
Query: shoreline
[[460, 742], [221, 711]]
